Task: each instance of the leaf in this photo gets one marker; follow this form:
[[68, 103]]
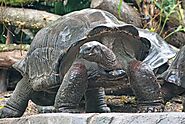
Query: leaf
[[119, 8], [181, 12], [1, 107], [152, 29], [1, 99], [2, 39]]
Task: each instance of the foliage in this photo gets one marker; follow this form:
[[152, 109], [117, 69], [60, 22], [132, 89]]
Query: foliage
[[167, 10], [1, 106], [16, 2], [72, 5], [180, 28], [119, 8], [2, 37]]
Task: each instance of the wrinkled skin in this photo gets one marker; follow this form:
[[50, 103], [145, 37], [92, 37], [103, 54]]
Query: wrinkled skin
[[145, 86]]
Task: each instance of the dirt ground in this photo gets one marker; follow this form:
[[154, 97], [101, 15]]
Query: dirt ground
[[116, 103]]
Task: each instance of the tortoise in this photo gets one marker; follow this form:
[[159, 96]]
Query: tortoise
[[173, 78], [69, 58]]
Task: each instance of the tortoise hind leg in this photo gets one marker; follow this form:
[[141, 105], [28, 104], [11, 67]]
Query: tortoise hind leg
[[145, 87], [95, 101], [18, 102], [170, 90]]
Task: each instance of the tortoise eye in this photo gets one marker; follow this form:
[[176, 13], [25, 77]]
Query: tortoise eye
[[89, 48]]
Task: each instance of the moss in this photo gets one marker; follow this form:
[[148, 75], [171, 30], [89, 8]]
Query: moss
[[10, 47], [16, 2]]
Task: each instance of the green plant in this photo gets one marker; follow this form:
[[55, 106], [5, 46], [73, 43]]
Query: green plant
[[119, 8], [2, 36], [168, 8], [180, 28], [16, 2]]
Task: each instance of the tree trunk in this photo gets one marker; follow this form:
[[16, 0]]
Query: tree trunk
[[26, 18], [127, 14]]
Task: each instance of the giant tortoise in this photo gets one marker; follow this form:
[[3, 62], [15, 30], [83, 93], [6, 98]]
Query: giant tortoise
[[69, 57]]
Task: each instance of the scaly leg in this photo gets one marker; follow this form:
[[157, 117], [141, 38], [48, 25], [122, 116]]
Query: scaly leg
[[18, 102], [72, 89], [145, 87], [95, 101]]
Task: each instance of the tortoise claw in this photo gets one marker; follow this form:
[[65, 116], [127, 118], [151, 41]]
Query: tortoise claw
[[46, 109], [104, 110], [150, 108], [68, 110], [8, 113]]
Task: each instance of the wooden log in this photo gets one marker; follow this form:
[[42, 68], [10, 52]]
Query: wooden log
[[26, 18], [24, 2], [7, 59], [9, 54], [11, 47], [128, 14]]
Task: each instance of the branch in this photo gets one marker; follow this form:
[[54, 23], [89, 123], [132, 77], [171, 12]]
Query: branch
[[26, 18]]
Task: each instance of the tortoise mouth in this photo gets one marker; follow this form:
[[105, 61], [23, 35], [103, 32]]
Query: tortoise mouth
[[88, 56], [109, 75]]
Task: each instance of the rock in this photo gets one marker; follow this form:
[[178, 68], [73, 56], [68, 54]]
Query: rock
[[95, 118], [127, 14], [52, 118], [177, 39]]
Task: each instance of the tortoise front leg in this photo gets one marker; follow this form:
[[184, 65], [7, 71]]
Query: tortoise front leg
[[18, 102], [95, 101], [72, 89], [145, 87]]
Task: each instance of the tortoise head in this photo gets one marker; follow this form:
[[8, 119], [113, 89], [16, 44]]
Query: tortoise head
[[94, 51]]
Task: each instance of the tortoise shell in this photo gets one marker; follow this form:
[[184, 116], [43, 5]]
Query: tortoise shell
[[56, 46]]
